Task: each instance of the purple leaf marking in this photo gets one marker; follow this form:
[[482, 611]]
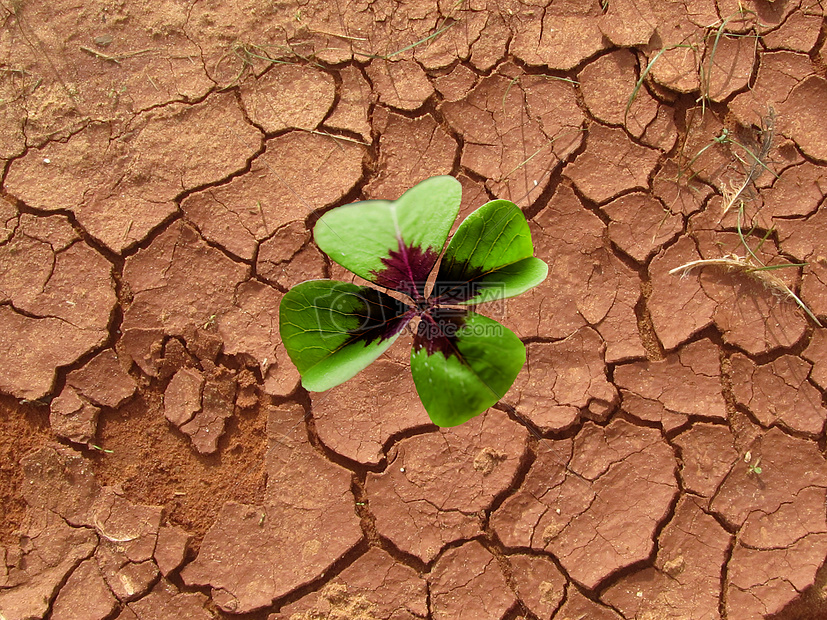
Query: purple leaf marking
[[406, 270], [381, 316], [438, 331]]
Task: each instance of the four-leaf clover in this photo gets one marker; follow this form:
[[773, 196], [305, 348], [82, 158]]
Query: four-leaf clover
[[462, 362]]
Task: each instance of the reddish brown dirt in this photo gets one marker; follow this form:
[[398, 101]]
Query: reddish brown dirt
[[662, 453]]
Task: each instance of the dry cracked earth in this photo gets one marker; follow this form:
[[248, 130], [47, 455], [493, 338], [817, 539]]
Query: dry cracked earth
[[662, 453]]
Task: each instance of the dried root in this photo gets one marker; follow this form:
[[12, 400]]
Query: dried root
[[761, 273]]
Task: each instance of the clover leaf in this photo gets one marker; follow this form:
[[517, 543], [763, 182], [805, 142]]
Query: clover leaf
[[462, 362]]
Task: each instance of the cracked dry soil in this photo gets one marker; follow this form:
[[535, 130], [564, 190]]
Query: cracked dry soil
[[662, 453]]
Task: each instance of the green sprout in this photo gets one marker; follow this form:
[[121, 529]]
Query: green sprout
[[753, 467]]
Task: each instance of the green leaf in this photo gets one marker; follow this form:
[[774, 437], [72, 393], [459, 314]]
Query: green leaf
[[332, 330], [467, 370], [491, 256], [393, 244]]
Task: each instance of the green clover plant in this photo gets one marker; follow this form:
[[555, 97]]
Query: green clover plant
[[462, 363]]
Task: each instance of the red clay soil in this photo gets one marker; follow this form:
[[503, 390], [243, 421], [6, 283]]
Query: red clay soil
[[662, 453]]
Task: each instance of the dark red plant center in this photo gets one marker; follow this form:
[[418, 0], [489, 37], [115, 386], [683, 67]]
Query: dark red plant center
[[406, 271]]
